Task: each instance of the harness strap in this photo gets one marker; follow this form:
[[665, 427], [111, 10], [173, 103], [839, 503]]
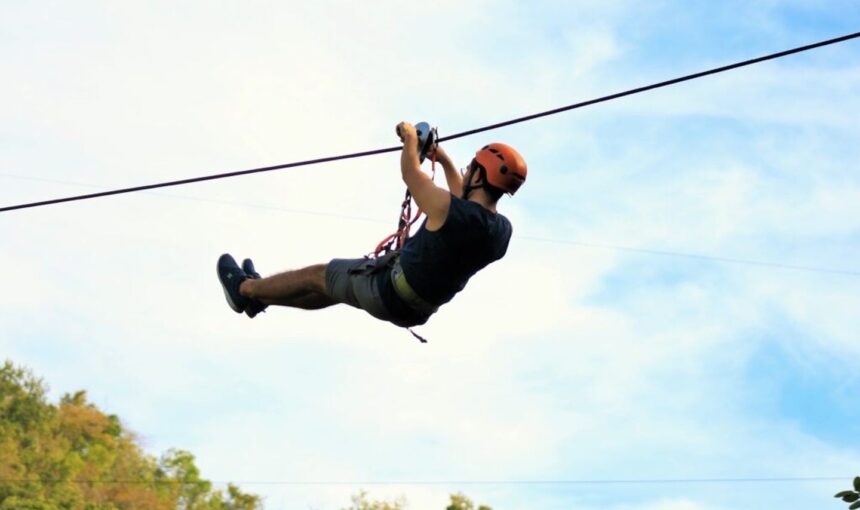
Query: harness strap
[[407, 293], [416, 335]]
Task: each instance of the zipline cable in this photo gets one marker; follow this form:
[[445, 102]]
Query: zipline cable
[[661, 84], [362, 154], [585, 244]]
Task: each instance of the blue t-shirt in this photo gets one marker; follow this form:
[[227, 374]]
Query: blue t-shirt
[[438, 264]]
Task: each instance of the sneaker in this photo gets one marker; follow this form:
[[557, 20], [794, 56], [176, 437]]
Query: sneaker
[[231, 277], [254, 307]]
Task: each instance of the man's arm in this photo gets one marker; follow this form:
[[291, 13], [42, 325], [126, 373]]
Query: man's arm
[[452, 175], [433, 200]]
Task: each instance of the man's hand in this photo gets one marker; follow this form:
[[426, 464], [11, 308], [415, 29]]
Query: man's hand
[[439, 153], [407, 133], [434, 201]]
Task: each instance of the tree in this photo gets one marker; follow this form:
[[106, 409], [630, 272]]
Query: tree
[[461, 502], [72, 456], [852, 497], [360, 502]]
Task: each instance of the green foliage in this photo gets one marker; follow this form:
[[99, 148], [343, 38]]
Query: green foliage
[[176, 468], [237, 500], [26, 504], [461, 502], [852, 497], [360, 502], [72, 456]]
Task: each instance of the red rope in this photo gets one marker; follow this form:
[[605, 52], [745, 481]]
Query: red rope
[[399, 237]]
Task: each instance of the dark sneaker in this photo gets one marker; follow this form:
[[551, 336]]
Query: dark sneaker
[[231, 276], [254, 307]]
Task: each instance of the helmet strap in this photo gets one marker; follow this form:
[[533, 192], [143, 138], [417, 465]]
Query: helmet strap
[[468, 187]]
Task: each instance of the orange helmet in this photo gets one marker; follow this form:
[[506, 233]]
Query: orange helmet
[[505, 167]]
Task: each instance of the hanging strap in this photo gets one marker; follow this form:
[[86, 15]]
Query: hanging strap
[[416, 335]]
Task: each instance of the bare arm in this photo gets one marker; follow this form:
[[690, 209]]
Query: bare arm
[[433, 200], [452, 175]]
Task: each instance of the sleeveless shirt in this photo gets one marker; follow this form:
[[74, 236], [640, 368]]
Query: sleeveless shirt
[[438, 264]]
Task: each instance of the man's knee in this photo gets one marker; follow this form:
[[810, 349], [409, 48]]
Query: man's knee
[[318, 277]]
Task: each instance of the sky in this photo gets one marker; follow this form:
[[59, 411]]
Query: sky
[[679, 300]]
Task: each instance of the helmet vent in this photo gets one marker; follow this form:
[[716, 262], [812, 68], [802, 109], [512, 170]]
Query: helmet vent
[[503, 169]]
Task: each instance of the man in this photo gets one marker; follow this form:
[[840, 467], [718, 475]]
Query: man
[[461, 235]]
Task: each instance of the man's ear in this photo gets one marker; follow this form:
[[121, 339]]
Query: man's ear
[[480, 178], [475, 177]]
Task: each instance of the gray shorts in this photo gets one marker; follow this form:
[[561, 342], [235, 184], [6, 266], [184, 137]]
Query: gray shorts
[[355, 282]]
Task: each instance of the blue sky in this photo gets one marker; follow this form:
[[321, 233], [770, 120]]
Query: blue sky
[[621, 364]]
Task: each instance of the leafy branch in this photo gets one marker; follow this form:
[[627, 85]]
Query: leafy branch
[[852, 497]]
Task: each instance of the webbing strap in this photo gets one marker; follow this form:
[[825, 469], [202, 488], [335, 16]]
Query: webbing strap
[[416, 335], [408, 294]]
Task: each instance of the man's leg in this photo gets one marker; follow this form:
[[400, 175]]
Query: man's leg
[[312, 302], [303, 288]]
